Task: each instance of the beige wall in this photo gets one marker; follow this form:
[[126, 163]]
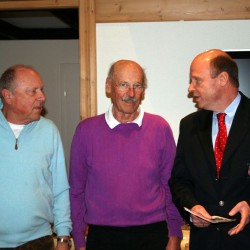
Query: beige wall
[[58, 63]]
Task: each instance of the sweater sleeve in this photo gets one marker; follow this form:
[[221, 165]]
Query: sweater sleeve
[[78, 176], [61, 208], [174, 220]]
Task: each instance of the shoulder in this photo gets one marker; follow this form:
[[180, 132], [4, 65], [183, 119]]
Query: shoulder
[[46, 124], [198, 115], [155, 121], [91, 123], [201, 119], [245, 101], [148, 117]]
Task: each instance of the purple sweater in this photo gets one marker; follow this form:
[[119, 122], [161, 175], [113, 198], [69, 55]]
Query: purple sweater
[[119, 176]]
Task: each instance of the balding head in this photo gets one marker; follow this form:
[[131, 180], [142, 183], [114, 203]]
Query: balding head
[[124, 65], [220, 62]]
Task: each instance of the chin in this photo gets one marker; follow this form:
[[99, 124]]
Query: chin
[[36, 118]]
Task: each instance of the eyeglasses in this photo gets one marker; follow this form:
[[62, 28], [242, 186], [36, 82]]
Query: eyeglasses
[[125, 86]]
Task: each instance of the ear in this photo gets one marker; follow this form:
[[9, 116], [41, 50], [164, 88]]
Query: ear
[[7, 96], [223, 78], [108, 86]]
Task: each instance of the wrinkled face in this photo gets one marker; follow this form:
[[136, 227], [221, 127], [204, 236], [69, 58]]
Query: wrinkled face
[[204, 90], [26, 102], [126, 100]]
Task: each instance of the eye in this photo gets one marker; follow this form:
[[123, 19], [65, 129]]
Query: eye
[[31, 92], [137, 86], [198, 81], [195, 80], [124, 85]]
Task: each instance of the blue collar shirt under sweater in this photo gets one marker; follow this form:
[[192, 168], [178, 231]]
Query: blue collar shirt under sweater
[[33, 183]]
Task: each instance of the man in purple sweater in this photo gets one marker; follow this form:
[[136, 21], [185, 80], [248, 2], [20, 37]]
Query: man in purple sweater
[[120, 165]]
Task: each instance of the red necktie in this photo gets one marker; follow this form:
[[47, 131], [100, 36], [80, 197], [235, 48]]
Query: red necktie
[[220, 141]]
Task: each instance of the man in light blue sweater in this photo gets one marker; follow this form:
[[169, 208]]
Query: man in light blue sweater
[[34, 188]]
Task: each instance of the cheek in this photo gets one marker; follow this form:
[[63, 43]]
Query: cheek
[[23, 105], [116, 96], [140, 96]]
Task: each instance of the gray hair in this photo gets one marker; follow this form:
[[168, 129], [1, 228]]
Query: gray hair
[[7, 80]]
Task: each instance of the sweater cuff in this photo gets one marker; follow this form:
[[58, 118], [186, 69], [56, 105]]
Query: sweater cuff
[[63, 231], [175, 229], [79, 241]]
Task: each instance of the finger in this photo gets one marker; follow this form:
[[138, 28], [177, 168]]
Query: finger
[[235, 230]]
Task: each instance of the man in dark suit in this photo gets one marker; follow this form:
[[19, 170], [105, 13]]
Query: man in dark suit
[[196, 183]]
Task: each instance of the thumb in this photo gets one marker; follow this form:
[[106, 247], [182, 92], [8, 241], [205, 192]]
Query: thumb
[[234, 211]]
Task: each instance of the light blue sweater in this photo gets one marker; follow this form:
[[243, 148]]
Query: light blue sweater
[[33, 183]]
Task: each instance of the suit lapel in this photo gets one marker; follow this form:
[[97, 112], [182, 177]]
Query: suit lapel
[[240, 126], [204, 131]]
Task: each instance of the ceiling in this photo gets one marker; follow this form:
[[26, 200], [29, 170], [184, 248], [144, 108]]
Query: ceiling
[[39, 24]]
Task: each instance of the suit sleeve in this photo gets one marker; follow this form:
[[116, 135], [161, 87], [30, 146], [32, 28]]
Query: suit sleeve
[[181, 184]]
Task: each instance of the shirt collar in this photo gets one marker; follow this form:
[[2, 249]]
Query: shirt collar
[[231, 109], [112, 122]]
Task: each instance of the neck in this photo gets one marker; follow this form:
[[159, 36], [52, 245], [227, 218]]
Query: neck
[[124, 118]]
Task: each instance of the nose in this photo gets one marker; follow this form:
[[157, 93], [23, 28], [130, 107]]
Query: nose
[[131, 91], [40, 95], [191, 87]]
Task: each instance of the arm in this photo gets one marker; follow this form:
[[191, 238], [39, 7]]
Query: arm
[[174, 219], [60, 189], [78, 176], [181, 183], [174, 243]]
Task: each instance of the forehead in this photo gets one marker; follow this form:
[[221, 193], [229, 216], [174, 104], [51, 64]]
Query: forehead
[[200, 66], [27, 77], [126, 71]]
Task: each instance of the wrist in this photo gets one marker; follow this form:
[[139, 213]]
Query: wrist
[[64, 240]]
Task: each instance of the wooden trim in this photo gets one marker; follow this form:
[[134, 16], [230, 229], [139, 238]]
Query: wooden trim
[[170, 10], [38, 4], [147, 10], [87, 45]]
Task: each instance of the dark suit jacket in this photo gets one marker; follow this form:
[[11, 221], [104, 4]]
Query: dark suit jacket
[[194, 180]]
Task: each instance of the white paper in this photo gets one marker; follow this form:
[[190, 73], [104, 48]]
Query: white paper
[[215, 218]]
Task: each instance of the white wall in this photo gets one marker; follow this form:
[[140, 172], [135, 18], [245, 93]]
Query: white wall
[[165, 50]]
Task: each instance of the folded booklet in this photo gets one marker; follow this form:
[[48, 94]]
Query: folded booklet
[[215, 218]]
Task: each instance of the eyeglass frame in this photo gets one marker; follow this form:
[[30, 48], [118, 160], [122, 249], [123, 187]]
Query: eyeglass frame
[[125, 86]]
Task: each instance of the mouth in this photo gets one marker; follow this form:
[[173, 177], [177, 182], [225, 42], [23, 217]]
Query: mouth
[[38, 108], [195, 99]]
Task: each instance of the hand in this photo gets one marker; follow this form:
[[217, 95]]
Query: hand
[[174, 243], [244, 209], [200, 210], [62, 246]]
